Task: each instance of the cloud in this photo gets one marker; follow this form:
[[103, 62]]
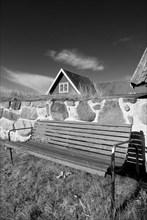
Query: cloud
[[123, 40], [76, 59], [34, 81]]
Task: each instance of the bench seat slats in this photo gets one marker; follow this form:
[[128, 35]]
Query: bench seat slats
[[86, 146], [98, 168], [50, 150], [83, 145], [67, 155], [87, 149], [100, 155]]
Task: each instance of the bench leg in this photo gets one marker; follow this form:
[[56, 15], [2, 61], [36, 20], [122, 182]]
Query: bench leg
[[112, 185], [11, 156]]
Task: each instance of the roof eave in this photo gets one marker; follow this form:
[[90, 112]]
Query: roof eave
[[140, 75]]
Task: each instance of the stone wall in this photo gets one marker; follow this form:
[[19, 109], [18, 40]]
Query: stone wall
[[18, 114]]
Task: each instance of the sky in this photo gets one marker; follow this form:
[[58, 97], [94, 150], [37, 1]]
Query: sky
[[102, 40]]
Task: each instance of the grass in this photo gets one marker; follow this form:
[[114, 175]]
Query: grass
[[11, 94], [30, 190], [31, 95]]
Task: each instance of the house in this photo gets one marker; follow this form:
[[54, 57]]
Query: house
[[70, 83], [139, 78]]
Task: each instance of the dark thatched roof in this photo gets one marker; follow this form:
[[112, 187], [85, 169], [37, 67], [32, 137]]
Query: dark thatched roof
[[139, 77], [82, 83]]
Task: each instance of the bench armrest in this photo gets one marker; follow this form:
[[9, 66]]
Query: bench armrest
[[16, 129], [113, 155], [115, 145]]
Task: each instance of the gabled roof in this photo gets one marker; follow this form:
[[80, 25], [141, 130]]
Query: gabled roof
[[80, 83], [139, 77]]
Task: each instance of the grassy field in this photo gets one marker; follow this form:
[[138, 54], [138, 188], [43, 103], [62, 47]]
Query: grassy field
[[32, 189]]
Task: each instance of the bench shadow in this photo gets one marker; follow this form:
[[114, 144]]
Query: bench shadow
[[129, 168]]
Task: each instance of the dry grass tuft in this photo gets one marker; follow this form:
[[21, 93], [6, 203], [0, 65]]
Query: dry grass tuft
[[30, 190]]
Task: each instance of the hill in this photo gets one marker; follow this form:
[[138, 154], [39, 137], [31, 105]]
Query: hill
[[121, 87], [10, 94], [109, 88]]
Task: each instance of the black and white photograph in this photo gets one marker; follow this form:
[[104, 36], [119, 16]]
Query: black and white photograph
[[73, 110]]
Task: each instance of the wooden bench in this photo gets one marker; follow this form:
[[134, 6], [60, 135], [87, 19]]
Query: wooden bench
[[84, 146], [90, 147]]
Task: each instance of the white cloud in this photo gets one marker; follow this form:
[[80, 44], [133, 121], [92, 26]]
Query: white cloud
[[123, 40], [76, 59], [34, 81]]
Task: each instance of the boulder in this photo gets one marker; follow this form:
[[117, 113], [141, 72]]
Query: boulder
[[9, 114], [15, 104], [96, 100], [6, 114], [6, 124], [130, 118], [29, 113], [142, 113], [16, 137], [97, 107], [127, 108], [84, 112], [1, 112], [70, 103], [3, 134], [42, 112], [6, 104], [26, 103], [111, 113], [23, 124], [130, 100], [48, 109], [59, 111], [39, 104]]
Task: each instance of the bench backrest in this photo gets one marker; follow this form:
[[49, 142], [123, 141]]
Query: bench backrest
[[86, 137]]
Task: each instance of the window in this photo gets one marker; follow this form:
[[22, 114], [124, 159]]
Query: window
[[63, 87]]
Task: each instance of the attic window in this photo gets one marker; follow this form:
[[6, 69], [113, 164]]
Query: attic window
[[63, 87]]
